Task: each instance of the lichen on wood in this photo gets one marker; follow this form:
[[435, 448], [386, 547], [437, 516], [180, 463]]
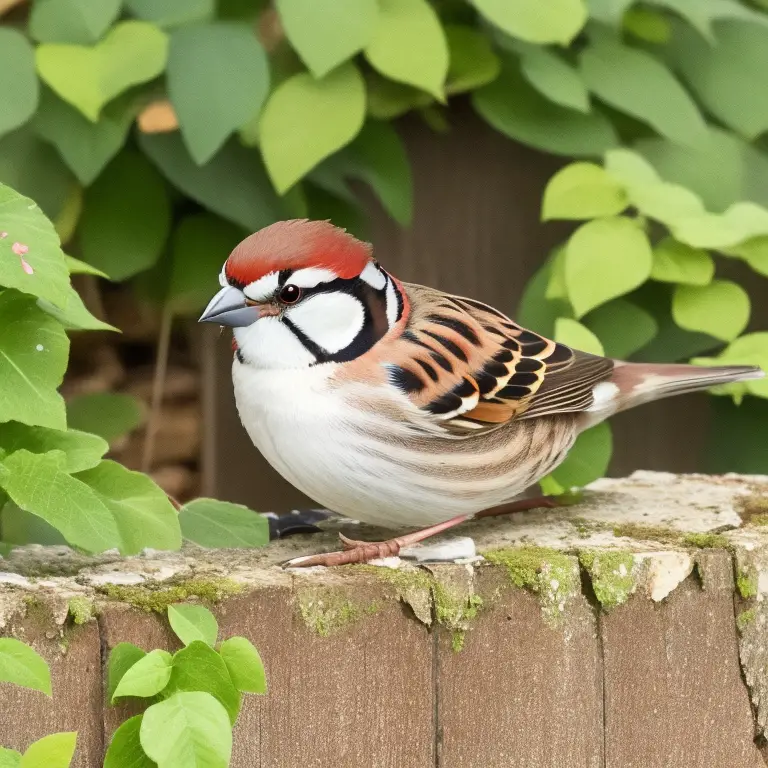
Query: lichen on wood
[[552, 575], [157, 596], [612, 573], [327, 610]]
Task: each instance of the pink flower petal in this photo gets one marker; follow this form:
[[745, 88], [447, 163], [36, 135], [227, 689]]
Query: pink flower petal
[[3, 235], [19, 249], [26, 266]]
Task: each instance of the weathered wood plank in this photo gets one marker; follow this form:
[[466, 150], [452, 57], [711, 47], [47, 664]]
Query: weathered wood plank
[[75, 662], [521, 694], [362, 696], [674, 695]]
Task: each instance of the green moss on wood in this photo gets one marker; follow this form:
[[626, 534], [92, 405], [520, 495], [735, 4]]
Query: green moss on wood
[[745, 618], [672, 536], [81, 609], [326, 610], [612, 575], [746, 583], [586, 527], [754, 508], [552, 575], [156, 597]]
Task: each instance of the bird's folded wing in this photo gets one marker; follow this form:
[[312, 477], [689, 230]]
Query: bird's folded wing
[[471, 368]]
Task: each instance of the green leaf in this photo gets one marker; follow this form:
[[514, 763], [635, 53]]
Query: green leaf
[[675, 262], [638, 84], [672, 344], [220, 524], [577, 336], [9, 758], [554, 78], [233, 184], [724, 170], [85, 146], [614, 248], [107, 414], [21, 665], [622, 327], [40, 484], [741, 222], [127, 217], [20, 528], [34, 169], [188, 730], [148, 676], [244, 664], [556, 21], [409, 45], [609, 12], [728, 76], [75, 315], [377, 156], [535, 310], [665, 202], [630, 168], [305, 120], [122, 658], [141, 509], [701, 13], [199, 668], [77, 267], [54, 751], [646, 24], [82, 450], [326, 34], [218, 78], [82, 22], [125, 749], [588, 459], [388, 99], [88, 77], [199, 245], [172, 13], [720, 309], [193, 623], [582, 191], [30, 235], [754, 251], [33, 358], [751, 349], [557, 288], [472, 62], [18, 84], [515, 109]]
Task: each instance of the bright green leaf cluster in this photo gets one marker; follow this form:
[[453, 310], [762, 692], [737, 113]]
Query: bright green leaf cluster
[[49, 472], [194, 695]]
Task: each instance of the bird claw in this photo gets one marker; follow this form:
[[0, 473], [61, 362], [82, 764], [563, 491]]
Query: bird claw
[[353, 552]]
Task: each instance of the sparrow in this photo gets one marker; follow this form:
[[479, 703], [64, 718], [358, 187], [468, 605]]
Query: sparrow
[[400, 405]]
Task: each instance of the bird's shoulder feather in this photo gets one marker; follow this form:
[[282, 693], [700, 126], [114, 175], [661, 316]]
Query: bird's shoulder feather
[[471, 368]]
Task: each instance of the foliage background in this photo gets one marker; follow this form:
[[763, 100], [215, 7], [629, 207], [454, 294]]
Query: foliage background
[[157, 134]]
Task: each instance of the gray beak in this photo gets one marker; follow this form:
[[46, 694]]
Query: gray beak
[[228, 307]]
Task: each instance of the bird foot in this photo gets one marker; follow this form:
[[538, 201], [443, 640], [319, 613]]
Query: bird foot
[[353, 552]]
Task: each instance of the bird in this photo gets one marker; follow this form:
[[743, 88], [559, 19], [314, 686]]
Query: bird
[[400, 405]]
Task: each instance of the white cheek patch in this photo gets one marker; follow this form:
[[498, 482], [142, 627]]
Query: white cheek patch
[[223, 282], [331, 320], [262, 289], [311, 277], [269, 343], [373, 276]]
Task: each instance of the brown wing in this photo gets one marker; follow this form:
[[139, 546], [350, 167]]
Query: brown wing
[[473, 368]]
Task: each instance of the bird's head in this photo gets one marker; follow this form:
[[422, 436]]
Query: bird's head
[[299, 293]]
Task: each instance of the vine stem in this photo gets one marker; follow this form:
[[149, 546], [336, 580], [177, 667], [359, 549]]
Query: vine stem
[[158, 385]]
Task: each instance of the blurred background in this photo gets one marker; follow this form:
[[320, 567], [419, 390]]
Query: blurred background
[[158, 133]]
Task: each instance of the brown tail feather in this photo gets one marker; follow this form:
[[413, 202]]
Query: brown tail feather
[[643, 382]]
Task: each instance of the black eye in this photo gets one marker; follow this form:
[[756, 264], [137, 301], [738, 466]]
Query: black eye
[[290, 294]]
